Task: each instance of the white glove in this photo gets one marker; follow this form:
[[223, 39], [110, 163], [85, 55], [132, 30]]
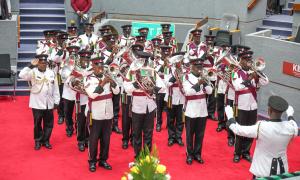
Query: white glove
[[229, 112], [290, 111]]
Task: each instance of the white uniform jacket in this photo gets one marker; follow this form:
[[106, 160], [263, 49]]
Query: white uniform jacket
[[102, 108], [195, 108], [44, 92], [140, 104], [86, 42], [272, 141], [173, 89], [246, 101]]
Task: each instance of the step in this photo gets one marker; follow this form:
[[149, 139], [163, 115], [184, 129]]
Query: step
[[34, 32], [26, 54], [27, 47], [53, 11], [291, 4], [43, 25], [267, 22], [42, 5], [277, 30], [22, 83], [287, 11], [54, 18]]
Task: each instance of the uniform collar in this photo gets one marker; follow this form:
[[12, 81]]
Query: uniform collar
[[275, 120]]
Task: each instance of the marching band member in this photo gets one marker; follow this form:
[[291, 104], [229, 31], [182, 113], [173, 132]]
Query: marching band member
[[109, 51], [60, 54], [196, 88], [81, 70], [88, 40], [126, 103], [143, 104], [155, 48], [162, 69], [175, 100], [99, 88], [126, 39], [207, 64], [164, 28], [73, 39], [45, 46], [44, 97], [272, 137], [246, 82], [168, 40], [69, 95], [144, 32]]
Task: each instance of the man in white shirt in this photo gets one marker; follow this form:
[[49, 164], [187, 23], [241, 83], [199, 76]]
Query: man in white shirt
[[44, 97], [175, 99], [246, 82], [196, 89], [272, 137], [143, 104], [100, 89], [88, 40]]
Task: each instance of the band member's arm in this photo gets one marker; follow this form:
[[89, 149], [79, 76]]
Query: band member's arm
[[26, 73], [295, 125], [129, 87], [208, 89], [246, 131], [90, 89], [187, 87], [237, 82], [263, 81]]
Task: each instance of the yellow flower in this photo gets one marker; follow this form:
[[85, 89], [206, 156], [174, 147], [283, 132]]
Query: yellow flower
[[147, 159], [161, 168], [123, 178], [134, 169]]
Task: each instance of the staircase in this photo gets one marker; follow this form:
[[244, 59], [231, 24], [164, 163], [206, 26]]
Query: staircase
[[281, 25], [288, 9], [36, 16]]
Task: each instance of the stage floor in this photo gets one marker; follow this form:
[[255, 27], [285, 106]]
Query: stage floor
[[20, 161]]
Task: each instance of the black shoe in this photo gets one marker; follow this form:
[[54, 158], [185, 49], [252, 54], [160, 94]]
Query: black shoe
[[37, 146], [125, 145], [158, 127], [47, 145], [220, 128], [236, 158], [199, 159], [81, 147], [105, 165], [170, 142], [247, 157], [92, 166], [69, 133], [230, 142], [116, 130], [60, 120], [189, 160], [179, 142], [212, 117]]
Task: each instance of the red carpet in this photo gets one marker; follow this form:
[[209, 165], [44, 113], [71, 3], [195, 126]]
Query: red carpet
[[18, 159]]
